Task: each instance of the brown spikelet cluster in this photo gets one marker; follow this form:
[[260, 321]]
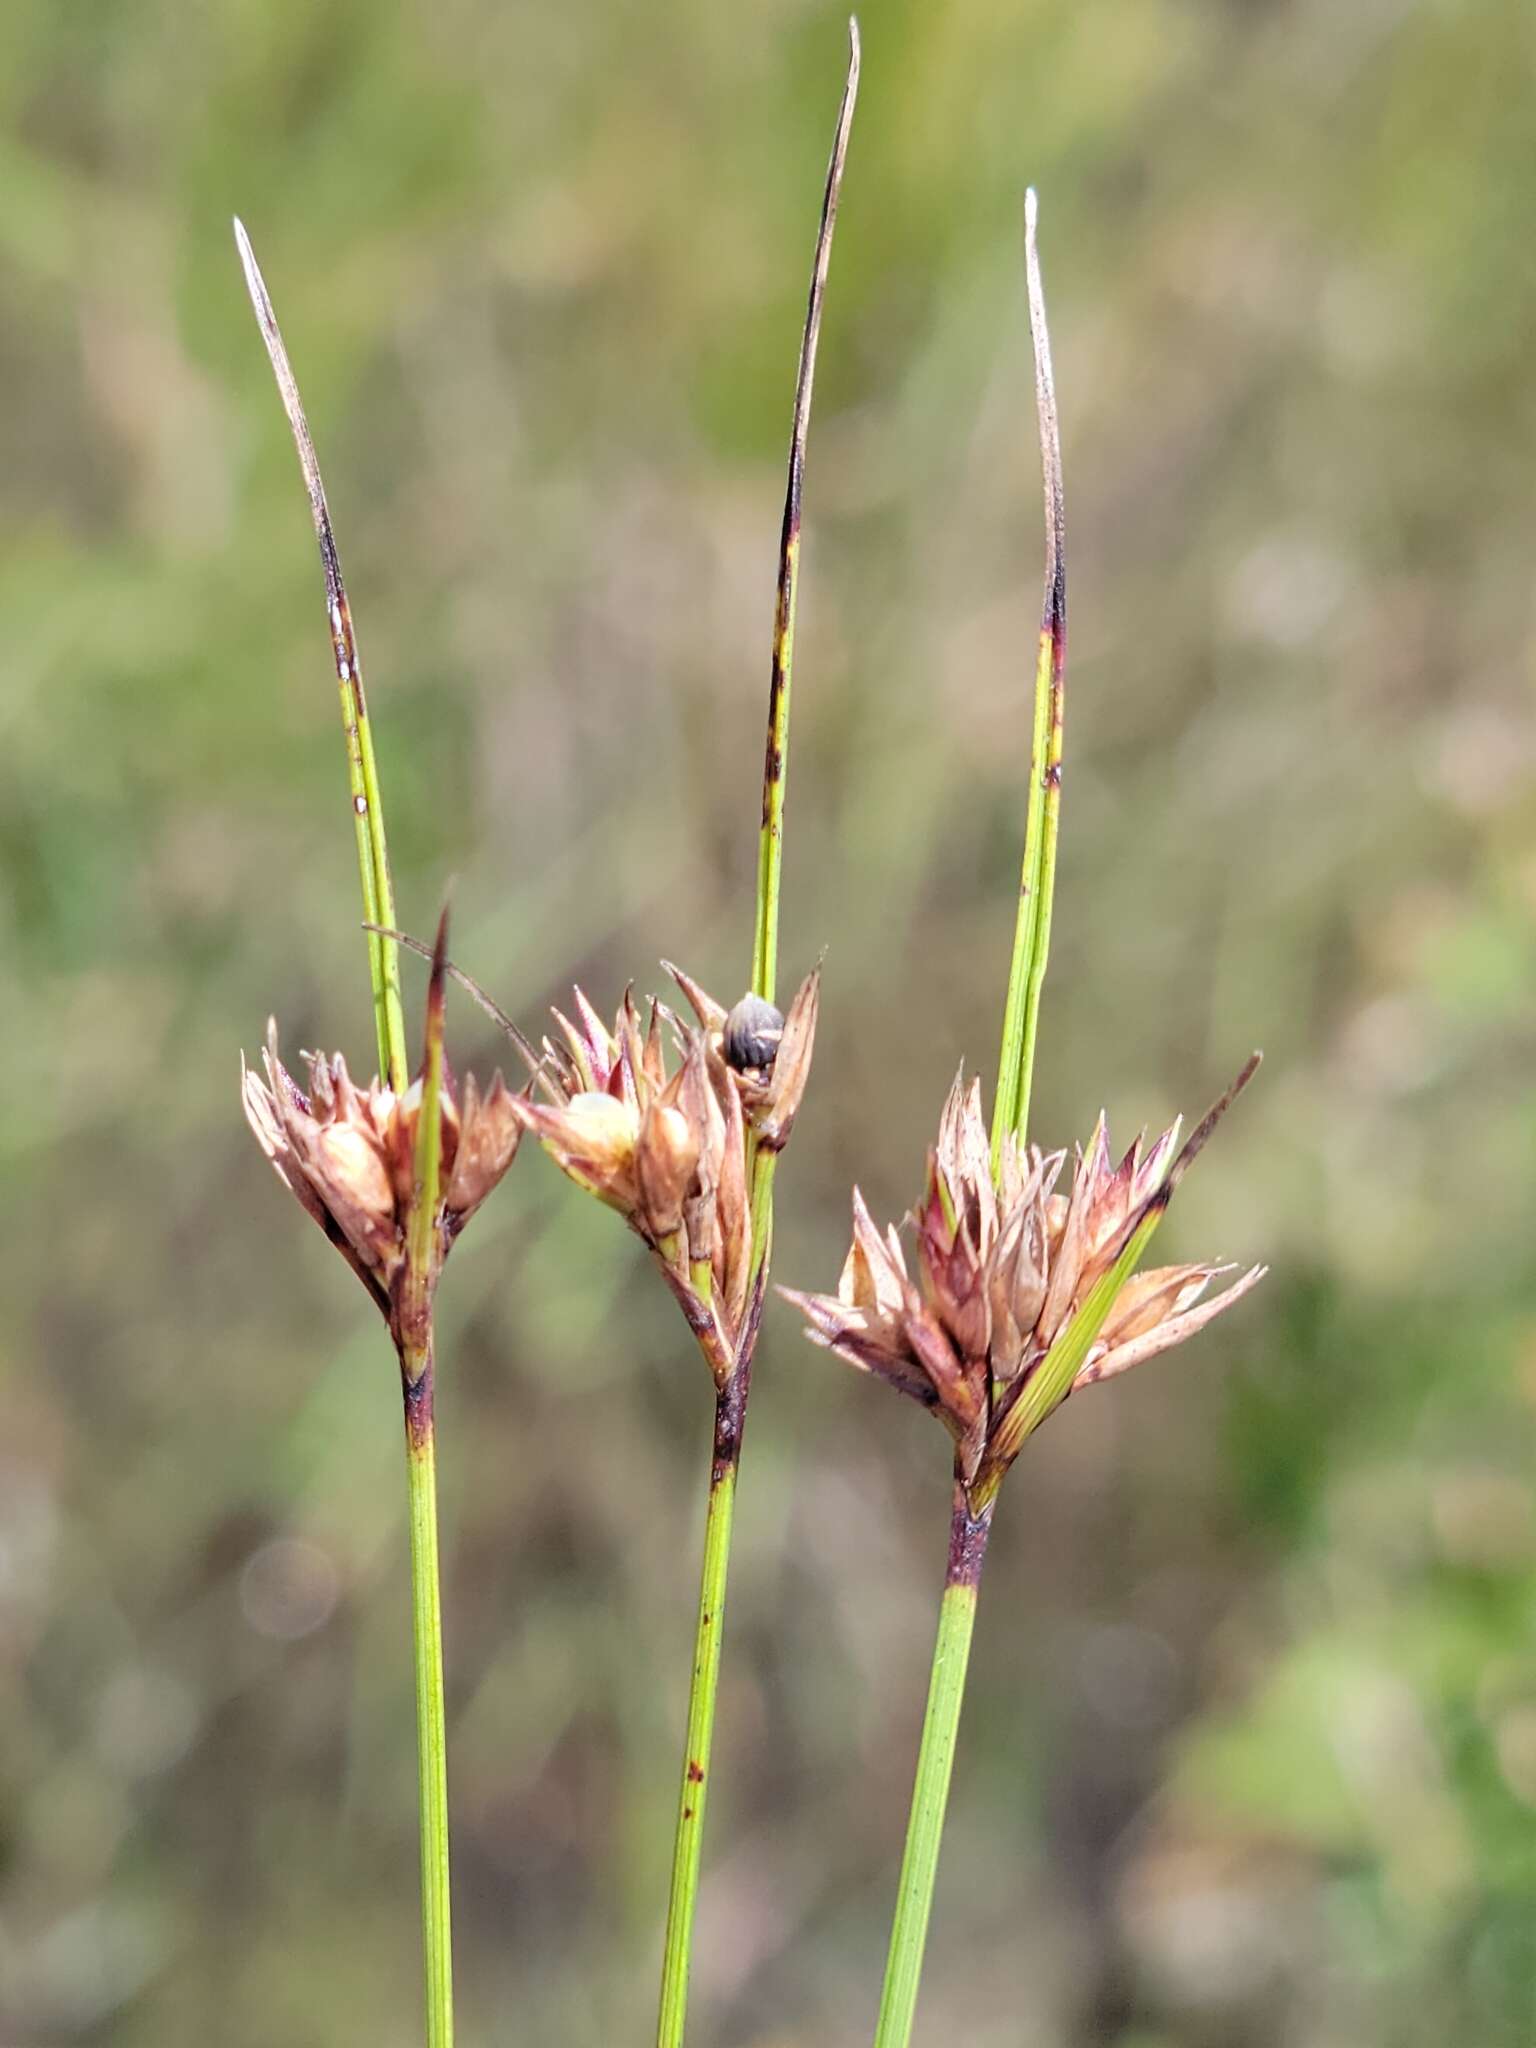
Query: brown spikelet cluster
[[1002, 1269], [672, 1152], [349, 1155]]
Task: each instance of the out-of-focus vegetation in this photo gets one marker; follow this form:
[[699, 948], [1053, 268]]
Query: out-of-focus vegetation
[[1251, 1749]]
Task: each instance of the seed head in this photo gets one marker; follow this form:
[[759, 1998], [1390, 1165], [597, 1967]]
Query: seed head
[[670, 1151], [349, 1156], [1020, 1294]]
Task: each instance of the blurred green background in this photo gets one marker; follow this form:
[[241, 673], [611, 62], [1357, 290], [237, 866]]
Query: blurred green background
[[1250, 1755]]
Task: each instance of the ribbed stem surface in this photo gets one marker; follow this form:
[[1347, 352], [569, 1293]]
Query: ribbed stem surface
[[431, 1728], [688, 1844], [930, 1790]]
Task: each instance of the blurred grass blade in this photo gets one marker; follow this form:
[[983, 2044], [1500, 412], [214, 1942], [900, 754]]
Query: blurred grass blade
[[1032, 932], [765, 949], [362, 770]]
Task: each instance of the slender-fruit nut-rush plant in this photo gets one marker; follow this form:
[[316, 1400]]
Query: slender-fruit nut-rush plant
[[391, 1173], [1020, 1294], [688, 1157]]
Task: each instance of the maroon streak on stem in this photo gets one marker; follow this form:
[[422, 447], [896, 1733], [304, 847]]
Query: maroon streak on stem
[[420, 1406], [968, 1535], [731, 1419]]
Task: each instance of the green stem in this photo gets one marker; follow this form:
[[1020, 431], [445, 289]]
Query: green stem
[[730, 1410], [935, 1761], [431, 1729], [764, 1166], [1037, 881], [414, 1336]]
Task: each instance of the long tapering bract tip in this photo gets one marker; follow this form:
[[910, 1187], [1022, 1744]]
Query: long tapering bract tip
[[1050, 427], [266, 317], [362, 771], [765, 944], [1032, 928], [1198, 1138]]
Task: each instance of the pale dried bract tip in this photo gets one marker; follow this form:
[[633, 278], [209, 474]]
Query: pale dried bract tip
[[1002, 1273], [671, 1152], [349, 1155]]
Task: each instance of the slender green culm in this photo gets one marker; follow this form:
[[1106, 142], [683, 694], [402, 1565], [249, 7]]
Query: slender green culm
[[431, 1728], [1032, 931], [732, 1394], [930, 1790], [688, 1844], [362, 769], [417, 1366]]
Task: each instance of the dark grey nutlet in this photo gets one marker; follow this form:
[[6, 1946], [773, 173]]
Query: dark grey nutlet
[[752, 1034]]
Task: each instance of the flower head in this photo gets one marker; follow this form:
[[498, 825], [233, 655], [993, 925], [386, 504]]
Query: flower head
[[671, 1152], [1020, 1294], [349, 1155]]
